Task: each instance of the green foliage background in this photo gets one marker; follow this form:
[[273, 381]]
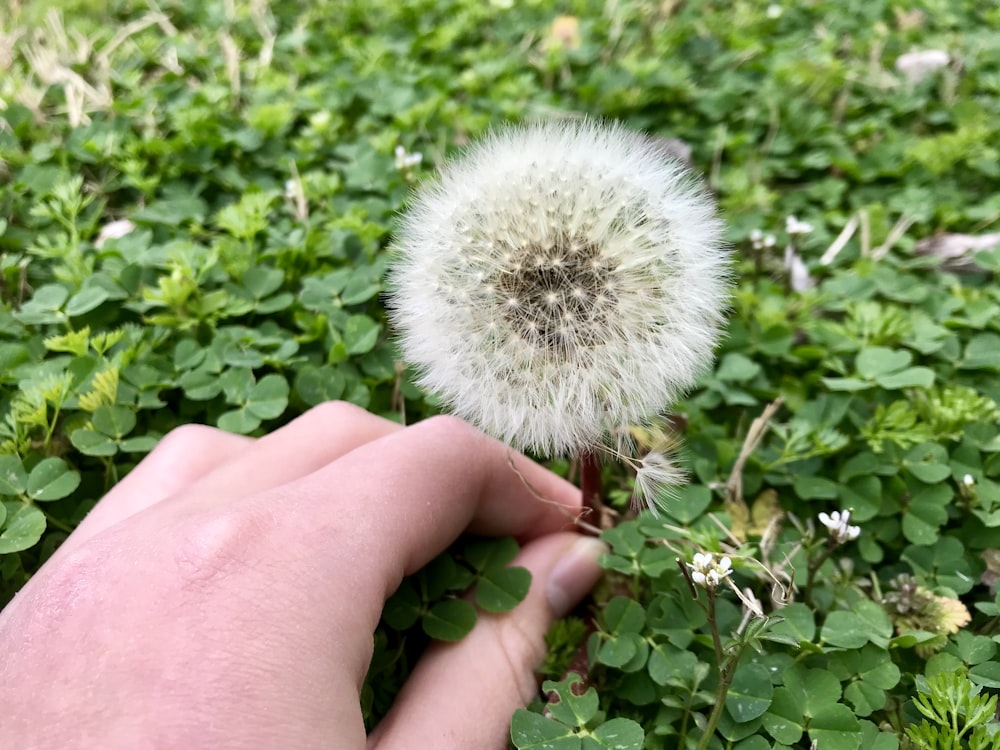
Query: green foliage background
[[252, 146]]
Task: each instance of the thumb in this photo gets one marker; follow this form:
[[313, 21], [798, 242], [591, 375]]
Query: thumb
[[462, 695]]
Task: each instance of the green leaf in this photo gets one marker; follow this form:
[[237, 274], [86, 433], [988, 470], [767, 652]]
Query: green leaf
[[878, 360], [530, 731], [483, 554], [360, 334], [986, 674], [624, 615], [812, 487], [239, 421], [87, 299], [316, 385], [93, 443], [750, 694], [617, 650], [22, 528], [450, 620], [911, 377], [846, 384], [172, 212], [13, 477], [571, 709], [261, 281], [835, 727], [671, 666], [502, 589], [784, 718], [942, 564], [928, 462], [737, 368], [843, 630], [269, 397], [403, 608], [982, 353], [114, 421], [616, 734], [818, 687], [797, 621], [688, 503], [52, 479]]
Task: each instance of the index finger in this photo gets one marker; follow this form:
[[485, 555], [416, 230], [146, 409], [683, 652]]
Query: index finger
[[390, 506]]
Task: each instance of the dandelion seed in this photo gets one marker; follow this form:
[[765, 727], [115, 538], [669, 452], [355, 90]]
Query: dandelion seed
[[587, 280]]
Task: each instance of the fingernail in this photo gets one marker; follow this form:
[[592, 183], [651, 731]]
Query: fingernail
[[575, 574]]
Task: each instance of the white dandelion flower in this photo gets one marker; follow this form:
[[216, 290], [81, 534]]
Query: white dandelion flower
[[559, 283]]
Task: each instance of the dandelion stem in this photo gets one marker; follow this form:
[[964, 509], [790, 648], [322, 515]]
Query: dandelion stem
[[591, 487]]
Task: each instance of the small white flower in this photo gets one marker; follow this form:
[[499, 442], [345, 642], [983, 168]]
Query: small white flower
[[406, 160], [795, 227], [798, 273], [838, 524], [770, 241], [560, 283], [968, 480], [774, 11], [113, 230], [708, 573], [916, 66]]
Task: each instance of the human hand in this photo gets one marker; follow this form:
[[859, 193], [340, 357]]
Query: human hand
[[224, 594]]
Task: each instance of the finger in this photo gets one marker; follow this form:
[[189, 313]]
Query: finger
[[389, 507], [181, 458], [218, 467], [319, 437], [463, 694]]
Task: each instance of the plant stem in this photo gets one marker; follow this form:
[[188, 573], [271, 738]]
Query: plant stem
[[727, 669], [591, 487], [813, 569]]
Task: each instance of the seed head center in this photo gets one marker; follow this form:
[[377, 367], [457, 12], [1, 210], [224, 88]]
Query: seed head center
[[566, 295]]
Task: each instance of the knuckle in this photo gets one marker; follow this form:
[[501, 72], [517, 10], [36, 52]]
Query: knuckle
[[449, 427], [333, 413], [208, 551], [190, 438]]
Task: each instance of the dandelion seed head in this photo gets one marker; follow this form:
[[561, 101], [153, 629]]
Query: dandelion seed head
[[560, 282]]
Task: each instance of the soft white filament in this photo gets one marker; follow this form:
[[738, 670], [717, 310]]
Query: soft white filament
[[559, 283]]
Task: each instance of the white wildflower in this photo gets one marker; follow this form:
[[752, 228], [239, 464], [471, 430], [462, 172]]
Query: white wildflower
[[968, 480], [405, 160], [916, 66], [838, 524], [560, 283], [707, 572], [113, 230], [774, 11], [794, 227], [798, 273]]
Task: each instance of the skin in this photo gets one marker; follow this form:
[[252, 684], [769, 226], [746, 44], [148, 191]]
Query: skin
[[224, 594]]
